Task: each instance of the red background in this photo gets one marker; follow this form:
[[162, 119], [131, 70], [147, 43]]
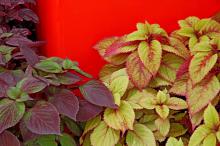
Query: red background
[[72, 27]]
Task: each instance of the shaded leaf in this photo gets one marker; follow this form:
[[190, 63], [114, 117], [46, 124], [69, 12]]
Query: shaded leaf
[[67, 140], [8, 139]]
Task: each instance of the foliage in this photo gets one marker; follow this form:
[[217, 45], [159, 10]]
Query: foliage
[[40, 102], [166, 86]]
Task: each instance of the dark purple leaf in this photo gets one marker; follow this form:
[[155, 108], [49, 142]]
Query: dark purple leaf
[[21, 31], [26, 134], [97, 93], [43, 118], [2, 62], [18, 41], [10, 113], [31, 85], [87, 111], [8, 77], [17, 74], [68, 78], [66, 103], [8, 139], [28, 15], [3, 88], [2, 14], [31, 57]]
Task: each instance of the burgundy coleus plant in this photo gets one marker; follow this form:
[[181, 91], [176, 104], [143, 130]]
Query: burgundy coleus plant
[[38, 104]]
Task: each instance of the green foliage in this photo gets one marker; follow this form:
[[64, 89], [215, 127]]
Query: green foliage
[[166, 86]]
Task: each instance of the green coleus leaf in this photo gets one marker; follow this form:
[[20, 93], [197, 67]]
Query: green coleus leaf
[[180, 85], [104, 136], [140, 136], [141, 99], [176, 103], [163, 126], [72, 126], [210, 140], [188, 22], [187, 32], [67, 64], [211, 117], [121, 118], [49, 66], [200, 65], [14, 92], [10, 113], [138, 73], [119, 84], [150, 55], [174, 142], [162, 111], [91, 124], [199, 95], [46, 140], [176, 130], [67, 140], [199, 135]]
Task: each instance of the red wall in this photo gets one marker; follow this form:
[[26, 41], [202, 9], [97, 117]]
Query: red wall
[[72, 27]]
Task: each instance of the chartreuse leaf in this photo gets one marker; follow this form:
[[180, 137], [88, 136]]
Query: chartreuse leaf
[[121, 118], [176, 130], [200, 65], [210, 140], [49, 66], [138, 73], [211, 117], [199, 95], [141, 99], [176, 103], [72, 126], [150, 55], [104, 136], [162, 111], [199, 135], [174, 142], [187, 32], [46, 140], [91, 124], [163, 126], [10, 113], [140, 136]]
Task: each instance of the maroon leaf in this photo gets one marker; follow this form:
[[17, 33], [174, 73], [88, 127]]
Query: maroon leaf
[[31, 57], [97, 93], [28, 15], [10, 113], [32, 85], [43, 118], [3, 88], [26, 134], [8, 78], [87, 111], [68, 78], [8, 139], [66, 103], [5, 2]]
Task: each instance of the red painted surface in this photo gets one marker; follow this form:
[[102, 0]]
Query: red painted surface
[[72, 27]]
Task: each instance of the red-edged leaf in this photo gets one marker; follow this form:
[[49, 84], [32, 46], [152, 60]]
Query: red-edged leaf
[[66, 103], [10, 113], [137, 72], [8, 139], [43, 118], [216, 17], [87, 111], [98, 94], [200, 95]]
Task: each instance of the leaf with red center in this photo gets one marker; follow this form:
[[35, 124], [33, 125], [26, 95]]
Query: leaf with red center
[[97, 93], [43, 118], [184, 68], [66, 103], [119, 47], [8, 139], [200, 65], [10, 113], [87, 111], [200, 95], [150, 55], [138, 73]]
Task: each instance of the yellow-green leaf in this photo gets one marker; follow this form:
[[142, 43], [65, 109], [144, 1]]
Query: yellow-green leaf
[[199, 135], [121, 118], [210, 140], [162, 111], [176, 103], [163, 126], [104, 136], [150, 55], [211, 117], [200, 65], [91, 124], [176, 130], [119, 85], [140, 136], [174, 142]]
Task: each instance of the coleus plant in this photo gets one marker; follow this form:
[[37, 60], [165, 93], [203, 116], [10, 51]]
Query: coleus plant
[[40, 102], [162, 84]]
